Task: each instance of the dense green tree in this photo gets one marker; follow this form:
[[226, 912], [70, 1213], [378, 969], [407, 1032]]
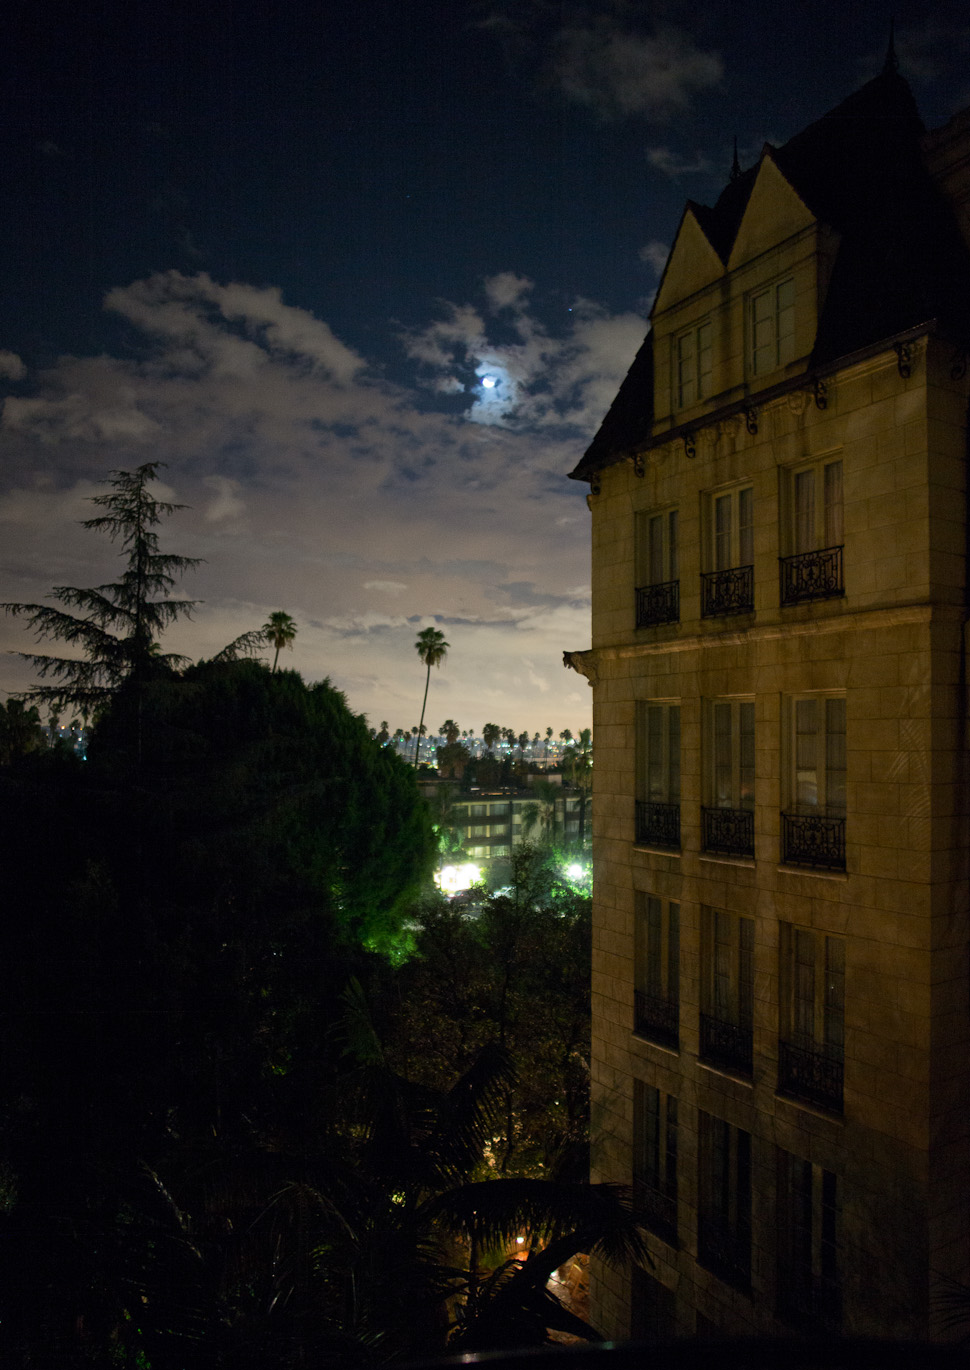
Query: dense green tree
[[115, 626], [20, 731]]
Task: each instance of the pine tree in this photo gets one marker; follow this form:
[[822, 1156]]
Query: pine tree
[[117, 625]]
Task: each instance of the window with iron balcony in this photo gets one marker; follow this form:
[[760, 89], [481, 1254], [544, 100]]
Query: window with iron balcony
[[657, 814], [811, 1047], [727, 990], [728, 816], [812, 511], [655, 1160], [724, 1200], [813, 822], [727, 586], [808, 1275], [657, 595], [656, 986]]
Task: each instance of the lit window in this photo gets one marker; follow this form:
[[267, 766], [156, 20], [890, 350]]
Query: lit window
[[772, 327], [727, 586]]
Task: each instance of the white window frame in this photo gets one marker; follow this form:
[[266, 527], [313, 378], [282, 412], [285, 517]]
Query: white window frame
[[692, 364], [813, 505], [816, 754], [771, 326], [658, 751], [729, 753], [657, 546], [729, 523]]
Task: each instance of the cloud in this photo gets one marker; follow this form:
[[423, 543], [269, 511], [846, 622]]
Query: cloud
[[617, 74], [11, 367], [387, 587], [655, 255], [539, 380], [226, 504], [314, 485], [672, 165]]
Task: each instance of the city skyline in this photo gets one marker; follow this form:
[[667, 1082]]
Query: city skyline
[[367, 284]]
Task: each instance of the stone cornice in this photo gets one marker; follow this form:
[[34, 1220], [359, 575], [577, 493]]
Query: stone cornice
[[858, 621]]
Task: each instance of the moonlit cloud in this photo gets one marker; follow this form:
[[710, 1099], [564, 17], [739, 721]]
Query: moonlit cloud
[[617, 74], [540, 380], [674, 166], [655, 255], [315, 486], [11, 367]]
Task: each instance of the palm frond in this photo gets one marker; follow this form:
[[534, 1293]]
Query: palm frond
[[245, 645]]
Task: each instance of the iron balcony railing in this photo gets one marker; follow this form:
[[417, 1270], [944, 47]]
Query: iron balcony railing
[[658, 825], [811, 575], [726, 1044], [656, 1018], [656, 1209], [809, 1074], [809, 1302], [724, 1249], [727, 592], [813, 839], [728, 832], [658, 603]]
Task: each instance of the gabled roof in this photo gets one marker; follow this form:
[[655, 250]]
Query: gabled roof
[[900, 262]]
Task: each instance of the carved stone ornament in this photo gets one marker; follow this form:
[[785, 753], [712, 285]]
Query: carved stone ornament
[[797, 402], [638, 464], [583, 662]]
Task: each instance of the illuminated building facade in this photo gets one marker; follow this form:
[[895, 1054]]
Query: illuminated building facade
[[781, 1027]]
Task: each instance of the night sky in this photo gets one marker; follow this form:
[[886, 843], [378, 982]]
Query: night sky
[[366, 276]]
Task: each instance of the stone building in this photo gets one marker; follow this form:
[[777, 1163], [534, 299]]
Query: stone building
[[781, 1028]]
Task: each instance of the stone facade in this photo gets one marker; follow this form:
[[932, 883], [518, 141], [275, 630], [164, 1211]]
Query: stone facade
[[781, 1022]]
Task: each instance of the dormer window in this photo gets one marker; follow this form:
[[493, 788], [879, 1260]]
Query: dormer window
[[694, 364], [771, 315]]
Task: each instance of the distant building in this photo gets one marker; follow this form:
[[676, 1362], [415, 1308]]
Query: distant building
[[781, 1028], [493, 822]]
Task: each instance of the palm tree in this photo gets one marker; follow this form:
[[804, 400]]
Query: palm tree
[[450, 731], [432, 648], [490, 735], [280, 631]]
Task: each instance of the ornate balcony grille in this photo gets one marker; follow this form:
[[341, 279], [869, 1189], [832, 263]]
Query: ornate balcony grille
[[813, 839], [655, 1018], [811, 575], [655, 1209], [658, 604], [724, 1249], [726, 1044], [729, 832], [811, 1075], [658, 825], [809, 1302], [727, 592]]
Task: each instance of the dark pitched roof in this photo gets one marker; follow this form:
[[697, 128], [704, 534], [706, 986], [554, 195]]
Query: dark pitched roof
[[901, 260]]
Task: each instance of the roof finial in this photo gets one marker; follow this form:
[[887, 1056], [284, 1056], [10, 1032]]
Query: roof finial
[[891, 63], [735, 165]]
